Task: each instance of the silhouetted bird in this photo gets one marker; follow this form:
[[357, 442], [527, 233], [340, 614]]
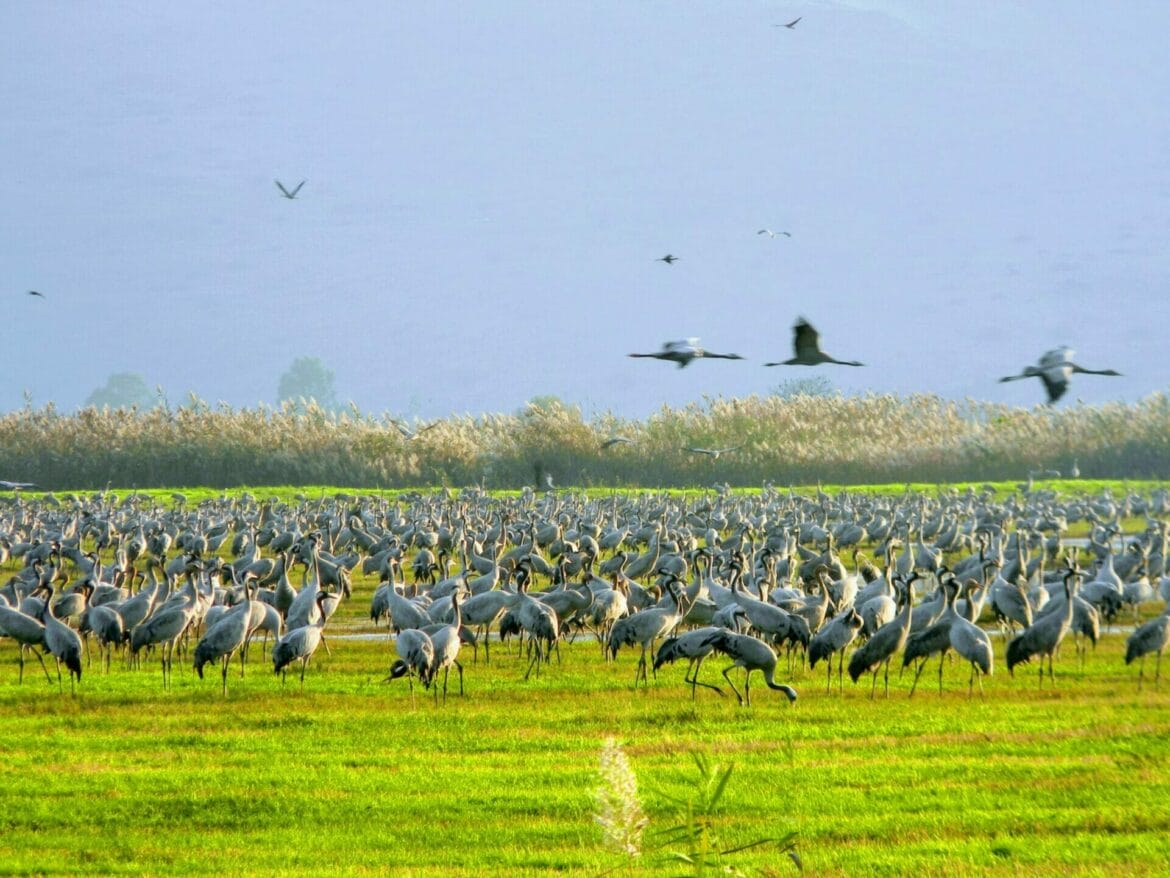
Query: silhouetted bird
[[668, 259], [772, 234], [806, 343], [1055, 369], [15, 486], [792, 24], [713, 453], [614, 440], [682, 352], [408, 434], [285, 192], [35, 293]]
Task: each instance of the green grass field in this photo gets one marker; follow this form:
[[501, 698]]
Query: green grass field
[[348, 777]]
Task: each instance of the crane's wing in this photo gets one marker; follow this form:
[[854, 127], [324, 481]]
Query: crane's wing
[[284, 191], [1056, 356], [805, 339], [298, 189]]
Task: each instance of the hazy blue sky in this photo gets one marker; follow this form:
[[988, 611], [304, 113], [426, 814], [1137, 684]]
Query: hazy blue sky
[[489, 185]]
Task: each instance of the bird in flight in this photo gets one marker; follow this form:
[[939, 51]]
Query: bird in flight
[[792, 24], [682, 352], [772, 234], [714, 453], [285, 192], [806, 344], [410, 435], [614, 440], [1055, 369], [35, 293], [15, 486], [669, 259]]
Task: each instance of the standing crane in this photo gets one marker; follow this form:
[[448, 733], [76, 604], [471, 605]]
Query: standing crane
[[1153, 636], [26, 631], [646, 626], [833, 637], [223, 639], [884, 643], [1043, 636], [972, 643], [694, 646], [64, 643]]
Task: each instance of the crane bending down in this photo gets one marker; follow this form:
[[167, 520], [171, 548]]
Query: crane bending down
[[806, 347], [416, 655], [751, 654], [1055, 369], [300, 643], [683, 352], [63, 642]]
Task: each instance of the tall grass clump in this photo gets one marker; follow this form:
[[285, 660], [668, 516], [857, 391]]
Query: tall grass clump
[[796, 440], [616, 807]]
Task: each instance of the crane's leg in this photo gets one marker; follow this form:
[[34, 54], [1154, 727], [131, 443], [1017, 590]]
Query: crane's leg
[[460, 667], [44, 667], [982, 694], [60, 685], [226, 661], [873, 688], [22, 649], [941, 661], [1158, 669], [886, 677], [917, 674], [841, 672], [694, 679], [731, 684], [747, 686], [829, 674], [533, 662]]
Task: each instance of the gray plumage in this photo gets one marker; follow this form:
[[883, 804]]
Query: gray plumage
[[694, 646], [1153, 636], [751, 654], [26, 631], [933, 640], [1043, 636], [298, 644], [884, 643], [64, 643], [837, 633]]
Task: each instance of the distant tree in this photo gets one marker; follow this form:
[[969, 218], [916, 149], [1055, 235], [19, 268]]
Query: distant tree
[[307, 378], [814, 385], [544, 404], [123, 390]]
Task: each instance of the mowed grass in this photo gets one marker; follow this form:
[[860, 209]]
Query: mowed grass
[[347, 776]]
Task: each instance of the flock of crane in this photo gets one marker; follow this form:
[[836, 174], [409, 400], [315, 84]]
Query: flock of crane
[[1055, 368], [760, 579]]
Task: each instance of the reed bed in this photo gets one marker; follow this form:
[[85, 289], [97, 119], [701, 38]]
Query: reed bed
[[795, 440]]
